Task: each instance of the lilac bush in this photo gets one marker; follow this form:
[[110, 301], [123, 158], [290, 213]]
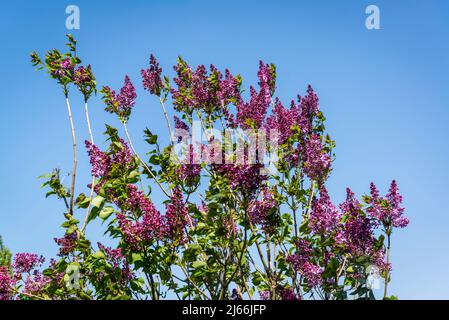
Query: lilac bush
[[228, 223]]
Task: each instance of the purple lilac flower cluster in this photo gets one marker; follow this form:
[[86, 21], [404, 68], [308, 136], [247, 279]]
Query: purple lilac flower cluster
[[36, 282], [25, 262], [202, 90], [357, 234], [301, 263], [83, 75], [259, 210], [244, 177], [122, 103], [325, 217], [7, 283], [102, 162], [283, 120], [252, 114], [62, 68], [66, 244], [118, 260], [316, 161], [151, 78], [388, 210], [176, 218], [148, 227]]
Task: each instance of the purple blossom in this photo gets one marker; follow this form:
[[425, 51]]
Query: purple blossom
[[176, 217], [35, 283], [7, 283], [312, 274], [259, 210], [101, 163], [150, 225], [229, 89], [179, 124], [395, 211], [127, 96], [264, 295], [118, 260], [67, 244], [123, 156], [267, 79], [251, 115], [181, 129], [67, 64], [151, 78], [83, 75], [25, 262], [301, 263], [324, 217], [358, 231], [122, 103], [316, 161], [309, 109], [287, 293], [244, 177], [283, 120], [388, 210]]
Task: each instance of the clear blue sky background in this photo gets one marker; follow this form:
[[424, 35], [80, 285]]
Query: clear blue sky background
[[384, 92]]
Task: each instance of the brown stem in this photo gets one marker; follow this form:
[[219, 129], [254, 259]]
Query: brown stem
[[72, 128], [309, 204], [387, 275], [170, 132], [89, 128]]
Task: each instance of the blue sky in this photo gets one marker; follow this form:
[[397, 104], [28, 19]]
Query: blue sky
[[384, 92]]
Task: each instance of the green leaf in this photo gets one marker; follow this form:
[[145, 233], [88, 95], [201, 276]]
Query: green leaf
[[98, 255], [106, 213], [199, 264], [97, 201]]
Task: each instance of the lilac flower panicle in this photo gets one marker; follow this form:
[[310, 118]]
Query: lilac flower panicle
[[67, 244], [67, 64], [390, 214], [127, 96], [396, 210], [283, 120], [7, 283], [151, 78], [100, 161], [325, 217], [118, 260], [124, 156], [149, 227], [259, 210], [316, 161], [25, 262], [122, 103], [35, 283], [309, 109], [176, 218]]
